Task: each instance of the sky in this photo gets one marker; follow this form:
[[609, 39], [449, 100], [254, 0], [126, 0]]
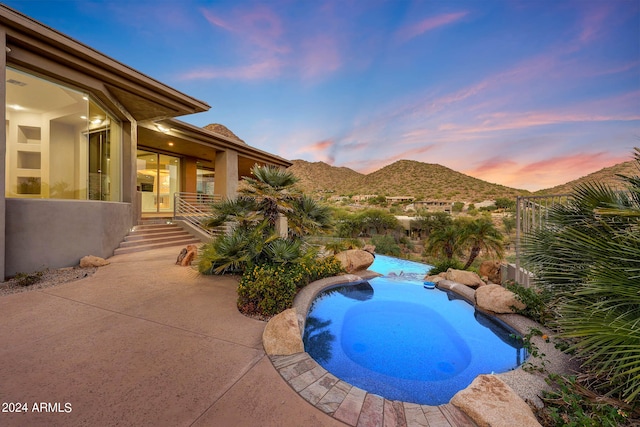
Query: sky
[[528, 94]]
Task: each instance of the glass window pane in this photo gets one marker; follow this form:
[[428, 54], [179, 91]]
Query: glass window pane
[[51, 130]]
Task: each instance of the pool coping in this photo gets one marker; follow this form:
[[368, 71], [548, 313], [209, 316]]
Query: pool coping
[[354, 406]]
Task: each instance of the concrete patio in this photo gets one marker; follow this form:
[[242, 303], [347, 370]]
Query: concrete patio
[[141, 342]]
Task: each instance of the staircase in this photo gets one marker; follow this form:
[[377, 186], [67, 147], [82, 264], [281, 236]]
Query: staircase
[[154, 236]]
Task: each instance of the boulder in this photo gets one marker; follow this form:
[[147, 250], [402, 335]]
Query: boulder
[[497, 299], [488, 401], [433, 279], [464, 277], [369, 248], [192, 251], [491, 270], [92, 261], [281, 336], [354, 260]]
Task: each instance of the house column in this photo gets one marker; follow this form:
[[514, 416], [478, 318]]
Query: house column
[[226, 174], [189, 175], [3, 150]]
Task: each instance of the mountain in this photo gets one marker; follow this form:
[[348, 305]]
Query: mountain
[[320, 177], [424, 181], [607, 176]]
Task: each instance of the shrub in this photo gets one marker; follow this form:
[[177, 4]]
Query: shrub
[[386, 245], [268, 289], [26, 279], [536, 301], [444, 265], [572, 404]]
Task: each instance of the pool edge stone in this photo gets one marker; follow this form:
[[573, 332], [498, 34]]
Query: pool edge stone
[[349, 408]]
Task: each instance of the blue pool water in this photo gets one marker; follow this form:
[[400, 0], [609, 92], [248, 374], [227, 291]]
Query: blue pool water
[[392, 337]]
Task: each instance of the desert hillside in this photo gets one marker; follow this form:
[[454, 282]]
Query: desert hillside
[[426, 181], [608, 176], [402, 178]]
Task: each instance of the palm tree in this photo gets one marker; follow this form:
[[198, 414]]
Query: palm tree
[[444, 241], [241, 210], [308, 217], [588, 256], [481, 235], [272, 191]]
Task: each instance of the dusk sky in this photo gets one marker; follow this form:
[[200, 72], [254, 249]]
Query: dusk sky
[[528, 94]]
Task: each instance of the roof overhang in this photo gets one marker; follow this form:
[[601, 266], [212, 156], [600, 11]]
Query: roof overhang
[[41, 49], [177, 137]]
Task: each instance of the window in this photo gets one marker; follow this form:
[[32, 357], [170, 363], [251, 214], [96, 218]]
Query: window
[[61, 144]]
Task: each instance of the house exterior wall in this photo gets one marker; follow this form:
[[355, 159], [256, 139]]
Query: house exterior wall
[[41, 233]]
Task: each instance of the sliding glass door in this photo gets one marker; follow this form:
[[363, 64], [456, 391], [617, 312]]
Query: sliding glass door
[[158, 178]]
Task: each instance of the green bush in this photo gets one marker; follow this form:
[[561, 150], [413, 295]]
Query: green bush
[[268, 289], [444, 265], [571, 404], [386, 245], [536, 301], [26, 279]]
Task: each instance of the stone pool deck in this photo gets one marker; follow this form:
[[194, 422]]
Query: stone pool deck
[[356, 407]]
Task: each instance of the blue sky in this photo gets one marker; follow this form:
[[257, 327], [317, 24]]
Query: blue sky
[[528, 94]]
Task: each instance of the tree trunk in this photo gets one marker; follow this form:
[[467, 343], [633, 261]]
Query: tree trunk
[[475, 250]]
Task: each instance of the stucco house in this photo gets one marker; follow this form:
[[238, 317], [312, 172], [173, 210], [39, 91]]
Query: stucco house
[[91, 145]]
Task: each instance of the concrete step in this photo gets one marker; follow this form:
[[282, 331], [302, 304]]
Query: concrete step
[[178, 243], [135, 236], [143, 227], [157, 220], [150, 240]]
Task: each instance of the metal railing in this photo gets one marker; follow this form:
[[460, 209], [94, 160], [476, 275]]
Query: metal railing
[[532, 213], [194, 208]]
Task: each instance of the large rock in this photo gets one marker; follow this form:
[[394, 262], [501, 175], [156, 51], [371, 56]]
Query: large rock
[[464, 277], [490, 402], [92, 261], [281, 336], [354, 260], [497, 299], [491, 270]]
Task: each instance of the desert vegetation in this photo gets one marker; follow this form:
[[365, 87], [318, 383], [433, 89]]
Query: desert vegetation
[[585, 260], [273, 263], [586, 264]]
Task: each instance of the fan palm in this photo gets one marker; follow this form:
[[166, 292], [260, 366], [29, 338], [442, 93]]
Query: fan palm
[[241, 210], [308, 217], [272, 191], [588, 255]]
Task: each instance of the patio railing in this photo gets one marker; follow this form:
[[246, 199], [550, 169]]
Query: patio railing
[[532, 212], [194, 208]]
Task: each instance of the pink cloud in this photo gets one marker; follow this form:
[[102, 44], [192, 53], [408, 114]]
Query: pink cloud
[[258, 26], [319, 56], [410, 31], [259, 71], [318, 146], [593, 23], [543, 173]]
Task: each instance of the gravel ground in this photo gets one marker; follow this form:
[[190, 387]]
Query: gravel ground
[[44, 279]]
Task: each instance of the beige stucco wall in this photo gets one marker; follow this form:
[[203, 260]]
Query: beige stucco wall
[[43, 233]]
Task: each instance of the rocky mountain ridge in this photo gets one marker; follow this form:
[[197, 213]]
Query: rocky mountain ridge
[[426, 181]]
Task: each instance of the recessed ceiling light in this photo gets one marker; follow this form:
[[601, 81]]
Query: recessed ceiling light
[[171, 144], [16, 82]]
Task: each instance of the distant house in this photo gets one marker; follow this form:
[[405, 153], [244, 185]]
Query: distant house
[[433, 205], [396, 199], [90, 145], [363, 197]]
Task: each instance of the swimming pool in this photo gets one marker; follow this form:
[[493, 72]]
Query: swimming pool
[[392, 337]]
